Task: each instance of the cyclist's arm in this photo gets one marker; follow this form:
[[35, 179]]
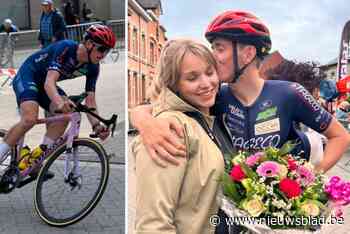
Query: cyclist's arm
[[337, 144], [157, 135], [51, 88], [314, 116], [90, 101]]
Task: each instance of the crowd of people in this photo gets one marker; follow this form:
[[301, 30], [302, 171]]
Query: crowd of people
[[52, 25]]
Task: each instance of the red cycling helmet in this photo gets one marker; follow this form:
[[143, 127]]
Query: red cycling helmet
[[241, 27], [100, 34]]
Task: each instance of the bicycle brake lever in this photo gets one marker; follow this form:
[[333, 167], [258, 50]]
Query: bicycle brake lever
[[113, 129]]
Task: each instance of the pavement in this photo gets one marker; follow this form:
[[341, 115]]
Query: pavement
[[342, 169], [17, 214]]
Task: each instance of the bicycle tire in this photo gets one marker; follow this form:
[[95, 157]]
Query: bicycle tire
[[39, 195]]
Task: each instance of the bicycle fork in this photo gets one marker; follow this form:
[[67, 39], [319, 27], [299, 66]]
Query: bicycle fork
[[72, 174]]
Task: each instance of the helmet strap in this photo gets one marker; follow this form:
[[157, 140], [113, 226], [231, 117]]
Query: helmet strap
[[238, 71], [89, 51]]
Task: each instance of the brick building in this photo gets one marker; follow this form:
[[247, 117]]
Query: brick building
[[146, 38]]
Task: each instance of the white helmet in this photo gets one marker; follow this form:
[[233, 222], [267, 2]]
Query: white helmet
[[8, 21]]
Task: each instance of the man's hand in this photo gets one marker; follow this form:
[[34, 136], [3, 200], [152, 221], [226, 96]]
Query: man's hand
[[161, 138]]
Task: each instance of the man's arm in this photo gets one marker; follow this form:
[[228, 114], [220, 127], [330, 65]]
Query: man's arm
[[158, 135], [55, 97], [338, 142], [101, 130]]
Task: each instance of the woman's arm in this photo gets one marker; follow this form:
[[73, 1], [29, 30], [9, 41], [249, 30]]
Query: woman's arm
[[160, 136], [338, 142], [158, 192]]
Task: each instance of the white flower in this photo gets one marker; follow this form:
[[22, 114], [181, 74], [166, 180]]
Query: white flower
[[279, 203], [262, 179]]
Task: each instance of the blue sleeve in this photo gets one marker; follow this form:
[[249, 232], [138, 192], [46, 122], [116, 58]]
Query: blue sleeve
[[91, 78], [61, 51], [307, 110]]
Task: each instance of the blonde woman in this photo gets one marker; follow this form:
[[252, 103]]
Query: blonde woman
[[181, 199]]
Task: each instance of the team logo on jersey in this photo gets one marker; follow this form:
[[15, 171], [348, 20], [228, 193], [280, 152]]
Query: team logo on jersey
[[307, 97], [265, 104], [231, 120], [266, 127], [318, 118], [41, 57], [256, 142], [236, 111], [268, 113]]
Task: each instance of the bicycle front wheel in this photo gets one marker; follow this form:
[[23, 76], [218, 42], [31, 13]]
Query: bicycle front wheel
[[80, 179]]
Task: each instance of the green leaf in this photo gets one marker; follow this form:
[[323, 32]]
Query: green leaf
[[249, 172], [286, 148], [229, 188]]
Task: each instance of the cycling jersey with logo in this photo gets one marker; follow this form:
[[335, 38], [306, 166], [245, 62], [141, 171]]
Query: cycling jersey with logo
[[269, 120], [61, 57]]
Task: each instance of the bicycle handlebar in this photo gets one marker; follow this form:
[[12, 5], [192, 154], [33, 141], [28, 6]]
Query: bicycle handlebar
[[79, 107]]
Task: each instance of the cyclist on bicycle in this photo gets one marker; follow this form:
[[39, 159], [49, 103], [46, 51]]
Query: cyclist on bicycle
[[8, 27], [258, 113], [36, 83]]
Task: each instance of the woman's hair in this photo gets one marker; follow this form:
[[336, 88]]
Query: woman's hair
[[170, 62], [305, 73]]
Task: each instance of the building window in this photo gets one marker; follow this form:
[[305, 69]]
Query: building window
[[129, 87], [333, 74], [152, 53], [135, 88], [143, 88], [134, 41], [143, 46], [129, 36]]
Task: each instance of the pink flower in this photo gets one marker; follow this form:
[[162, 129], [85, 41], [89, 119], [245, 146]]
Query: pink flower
[[237, 174], [253, 159], [268, 169], [291, 164], [305, 176], [338, 190]]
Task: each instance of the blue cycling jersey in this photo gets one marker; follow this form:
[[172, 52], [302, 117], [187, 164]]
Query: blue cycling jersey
[[61, 57], [270, 120]]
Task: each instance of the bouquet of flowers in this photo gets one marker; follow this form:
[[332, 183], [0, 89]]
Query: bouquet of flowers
[[273, 189]]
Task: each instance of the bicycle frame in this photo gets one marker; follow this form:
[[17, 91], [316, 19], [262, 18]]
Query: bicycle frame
[[67, 138]]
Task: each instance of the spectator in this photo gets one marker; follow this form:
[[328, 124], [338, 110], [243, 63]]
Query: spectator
[[52, 25], [87, 13], [8, 26], [69, 15]]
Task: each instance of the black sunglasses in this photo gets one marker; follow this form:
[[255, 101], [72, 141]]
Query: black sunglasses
[[102, 49]]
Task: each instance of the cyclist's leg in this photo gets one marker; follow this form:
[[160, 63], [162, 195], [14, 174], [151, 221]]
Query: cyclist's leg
[[29, 114], [56, 129], [26, 91]]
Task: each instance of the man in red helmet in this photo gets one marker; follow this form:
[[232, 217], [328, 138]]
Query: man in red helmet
[[36, 83], [259, 113]]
